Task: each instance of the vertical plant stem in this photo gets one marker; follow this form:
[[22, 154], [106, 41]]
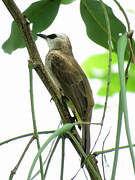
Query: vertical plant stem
[[59, 132], [34, 119], [52, 148], [109, 68], [62, 159], [124, 13], [110, 56], [50, 156], [104, 155], [122, 42], [117, 139]]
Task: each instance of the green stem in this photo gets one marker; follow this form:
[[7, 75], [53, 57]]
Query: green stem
[[13, 172], [117, 138], [49, 153], [109, 69], [34, 119], [93, 171], [50, 156], [62, 159], [124, 13], [110, 56], [110, 150], [103, 155], [24, 135], [61, 131], [121, 47]]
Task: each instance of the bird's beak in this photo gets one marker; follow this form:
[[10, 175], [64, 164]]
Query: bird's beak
[[42, 36]]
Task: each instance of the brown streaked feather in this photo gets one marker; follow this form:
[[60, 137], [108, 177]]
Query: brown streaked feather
[[73, 81], [76, 87]]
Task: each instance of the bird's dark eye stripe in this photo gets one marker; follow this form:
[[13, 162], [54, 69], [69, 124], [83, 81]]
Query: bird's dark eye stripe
[[52, 36]]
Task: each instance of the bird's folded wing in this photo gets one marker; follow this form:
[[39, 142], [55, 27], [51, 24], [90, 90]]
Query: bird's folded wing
[[69, 74]]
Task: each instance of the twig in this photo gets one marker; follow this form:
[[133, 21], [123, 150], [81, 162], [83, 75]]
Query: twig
[[62, 158], [124, 13], [24, 135], [110, 58], [130, 40], [109, 70], [103, 154], [94, 171], [50, 156], [34, 119], [126, 70], [21, 158], [97, 153]]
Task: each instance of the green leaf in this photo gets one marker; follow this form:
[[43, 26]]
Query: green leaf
[[93, 16], [98, 106], [67, 1], [14, 41], [41, 14], [96, 67]]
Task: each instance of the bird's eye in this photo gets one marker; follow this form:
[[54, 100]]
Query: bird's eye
[[52, 36]]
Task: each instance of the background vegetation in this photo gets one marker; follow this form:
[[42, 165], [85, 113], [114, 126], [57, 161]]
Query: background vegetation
[[106, 30]]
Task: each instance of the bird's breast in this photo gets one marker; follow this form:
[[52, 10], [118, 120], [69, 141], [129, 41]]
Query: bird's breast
[[49, 69]]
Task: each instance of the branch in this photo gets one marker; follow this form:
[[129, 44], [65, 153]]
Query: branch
[[24, 135], [21, 158], [34, 120], [110, 150], [36, 61], [124, 13]]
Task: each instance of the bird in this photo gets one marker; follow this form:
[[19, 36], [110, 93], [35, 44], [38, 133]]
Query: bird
[[71, 80]]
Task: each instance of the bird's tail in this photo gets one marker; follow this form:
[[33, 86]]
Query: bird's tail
[[85, 140]]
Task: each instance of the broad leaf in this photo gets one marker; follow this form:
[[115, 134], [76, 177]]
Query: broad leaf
[[93, 16], [96, 67], [14, 41], [41, 14]]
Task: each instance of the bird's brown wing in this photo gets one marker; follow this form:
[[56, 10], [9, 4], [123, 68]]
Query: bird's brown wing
[[76, 87], [73, 81]]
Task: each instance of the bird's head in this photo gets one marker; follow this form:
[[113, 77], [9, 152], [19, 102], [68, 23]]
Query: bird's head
[[57, 42]]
